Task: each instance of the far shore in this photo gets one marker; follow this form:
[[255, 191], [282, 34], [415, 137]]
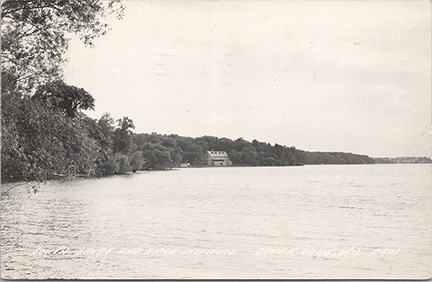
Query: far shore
[[17, 178]]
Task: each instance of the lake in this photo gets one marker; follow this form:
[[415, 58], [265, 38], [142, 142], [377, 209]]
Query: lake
[[316, 222]]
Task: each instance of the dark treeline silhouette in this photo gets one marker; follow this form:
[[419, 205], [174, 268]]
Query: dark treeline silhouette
[[166, 151], [41, 138], [336, 158], [403, 160]]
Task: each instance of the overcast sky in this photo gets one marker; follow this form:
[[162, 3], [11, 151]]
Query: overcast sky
[[322, 76]]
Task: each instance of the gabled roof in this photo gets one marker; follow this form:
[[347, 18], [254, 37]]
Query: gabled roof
[[217, 153]]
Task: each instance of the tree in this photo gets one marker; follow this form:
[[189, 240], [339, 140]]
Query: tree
[[69, 99], [169, 142], [12, 153], [122, 135], [240, 143], [38, 141], [42, 135], [106, 128], [236, 157], [136, 161], [249, 156], [176, 156], [34, 38], [157, 158], [224, 144], [164, 160], [101, 131], [193, 154], [122, 162], [278, 149]]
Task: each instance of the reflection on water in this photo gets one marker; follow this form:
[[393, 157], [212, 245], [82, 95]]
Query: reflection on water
[[370, 221]]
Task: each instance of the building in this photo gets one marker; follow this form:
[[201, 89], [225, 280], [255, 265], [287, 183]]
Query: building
[[218, 158]]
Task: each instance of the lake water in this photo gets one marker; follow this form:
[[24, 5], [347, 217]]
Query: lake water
[[352, 221]]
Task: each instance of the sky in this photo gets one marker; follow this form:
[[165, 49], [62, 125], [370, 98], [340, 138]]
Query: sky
[[345, 76]]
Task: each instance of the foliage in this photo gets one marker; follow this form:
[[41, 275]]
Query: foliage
[[113, 158], [123, 163], [193, 154], [38, 141], [176, 156], [34, 36], [108, 167], [410, 160], [47, 133], [116, 164], [240, 151], [156, 156], [336, 158], [11, 151], [136, 161], [69, 99], [122, 135]]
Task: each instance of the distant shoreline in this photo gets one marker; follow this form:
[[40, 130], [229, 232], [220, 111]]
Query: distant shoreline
[[17, 179]]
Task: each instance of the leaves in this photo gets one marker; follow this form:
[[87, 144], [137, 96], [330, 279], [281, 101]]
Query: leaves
[[42, 140], [34, 35], [122, 135], [70, 99], [47, 133]]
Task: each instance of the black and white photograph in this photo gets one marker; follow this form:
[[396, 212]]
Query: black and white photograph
[[215, 139]]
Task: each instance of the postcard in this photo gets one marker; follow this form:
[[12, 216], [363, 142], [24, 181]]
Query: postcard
[[182, 139]]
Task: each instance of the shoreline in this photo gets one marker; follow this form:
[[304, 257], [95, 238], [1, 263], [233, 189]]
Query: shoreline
[[16, 179]]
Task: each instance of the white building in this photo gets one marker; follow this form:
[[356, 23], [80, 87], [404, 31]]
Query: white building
[[218, 158]]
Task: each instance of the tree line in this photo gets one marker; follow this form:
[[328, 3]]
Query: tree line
[[44, 130], [404, 160], [48, 134], [167, 151]]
